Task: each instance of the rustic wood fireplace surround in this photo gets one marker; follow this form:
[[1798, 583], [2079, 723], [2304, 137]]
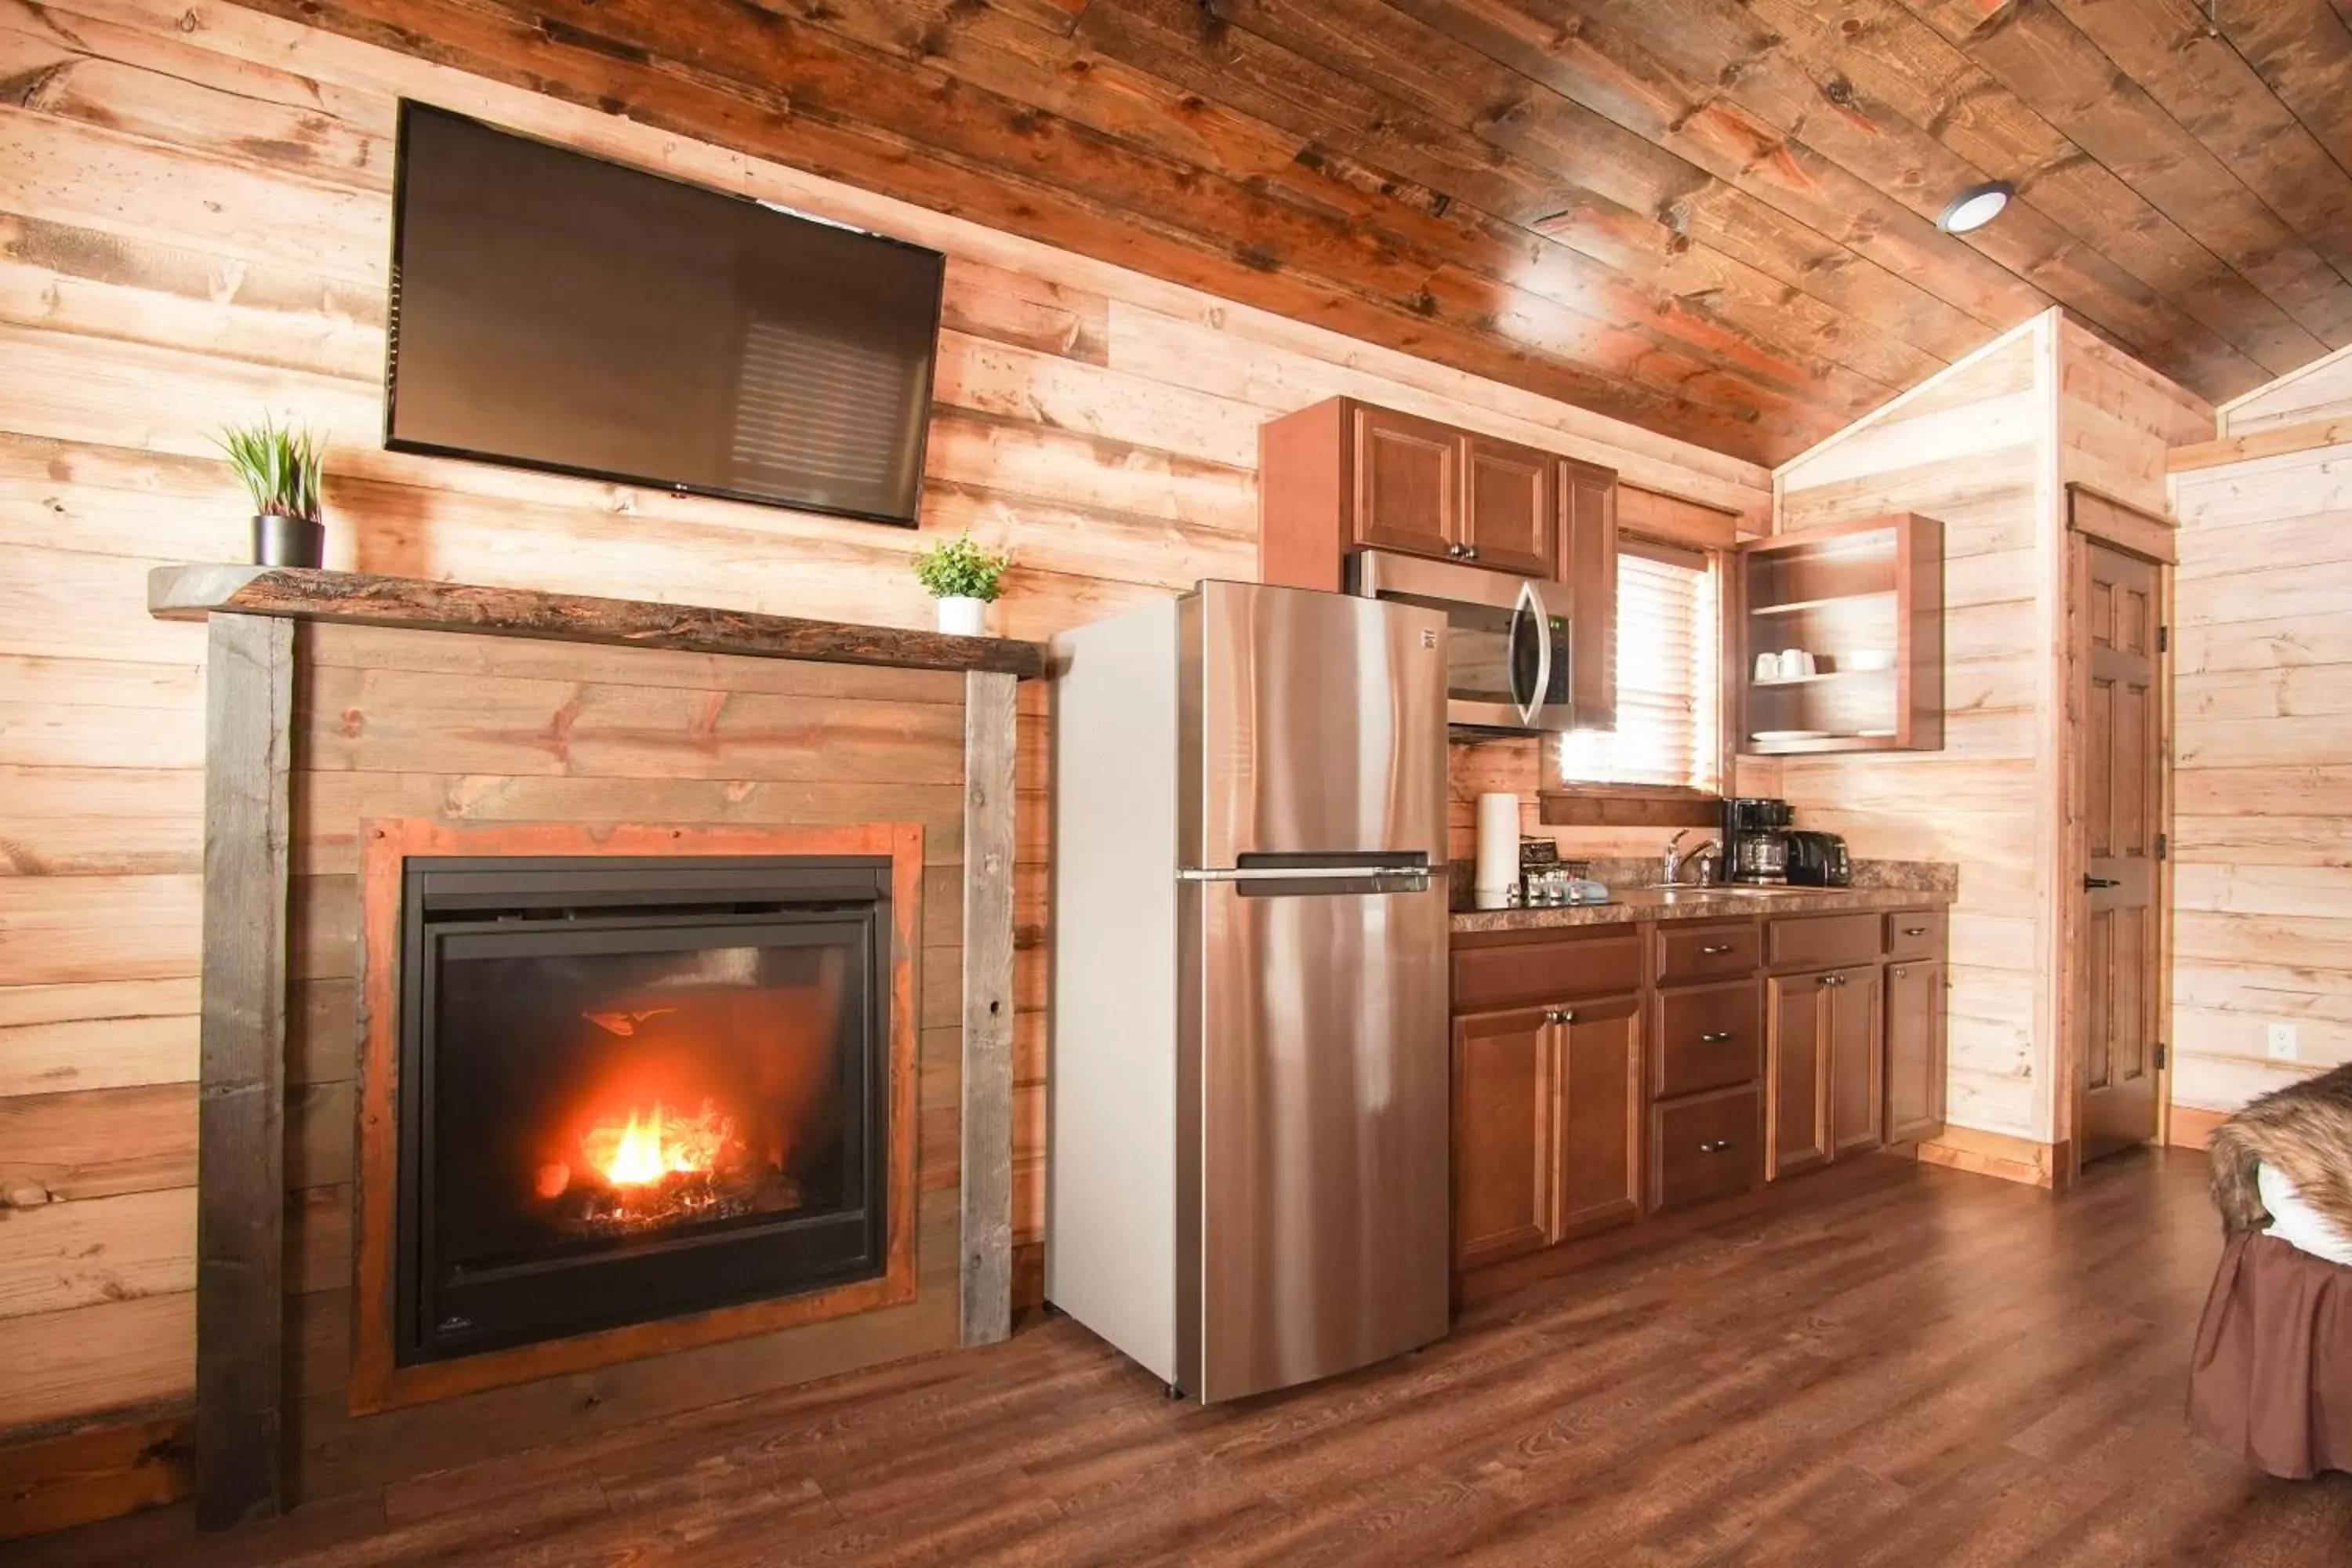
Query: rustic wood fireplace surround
[[355, 720]]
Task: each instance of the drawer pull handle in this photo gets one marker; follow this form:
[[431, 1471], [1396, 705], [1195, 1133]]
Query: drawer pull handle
[[1716, 949], [1915, 931], [1716, 1146], [1714, 1036]]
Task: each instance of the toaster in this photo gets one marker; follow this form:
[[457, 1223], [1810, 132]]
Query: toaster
[[1818, 860]]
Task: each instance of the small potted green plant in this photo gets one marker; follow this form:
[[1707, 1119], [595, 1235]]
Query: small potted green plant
[[964, 578], [279, 467]]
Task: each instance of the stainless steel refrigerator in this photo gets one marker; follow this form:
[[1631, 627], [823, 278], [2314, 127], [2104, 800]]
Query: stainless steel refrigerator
[[1248, 1093]]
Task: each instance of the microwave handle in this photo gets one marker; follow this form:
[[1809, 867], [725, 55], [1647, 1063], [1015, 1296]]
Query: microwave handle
[[1529, 613]]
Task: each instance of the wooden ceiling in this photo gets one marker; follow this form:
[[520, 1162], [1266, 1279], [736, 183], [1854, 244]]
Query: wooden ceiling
[[1710, 217]]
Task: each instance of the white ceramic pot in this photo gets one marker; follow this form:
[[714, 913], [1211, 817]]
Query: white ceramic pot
[[962, 616]]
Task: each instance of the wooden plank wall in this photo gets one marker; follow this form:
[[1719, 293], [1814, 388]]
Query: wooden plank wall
[[1989, 446], [1968, 448], [2262, 823], [196, 230]]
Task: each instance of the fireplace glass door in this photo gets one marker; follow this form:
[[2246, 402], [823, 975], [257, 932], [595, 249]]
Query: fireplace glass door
[[635, 1088]]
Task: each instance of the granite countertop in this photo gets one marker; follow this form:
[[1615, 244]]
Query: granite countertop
[[1878, 885]]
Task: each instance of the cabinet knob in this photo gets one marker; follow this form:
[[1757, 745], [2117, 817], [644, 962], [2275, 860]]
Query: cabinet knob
[[1902, 974], [1454, 551], [1716, 949], [1915, 931], [1559, 1015], [1714, 1146], [1471, 552], [1714, 1036]]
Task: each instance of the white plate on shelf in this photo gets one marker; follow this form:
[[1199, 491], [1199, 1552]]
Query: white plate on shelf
[[1874, 734], [1770, 735]]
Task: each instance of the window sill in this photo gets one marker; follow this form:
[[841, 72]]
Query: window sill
[[1628, 805]]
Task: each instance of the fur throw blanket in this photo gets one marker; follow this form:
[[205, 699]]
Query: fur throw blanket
[[2303, 1132]]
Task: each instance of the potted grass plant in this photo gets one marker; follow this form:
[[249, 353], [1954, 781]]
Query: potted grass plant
[[964, 578], [279, 467]]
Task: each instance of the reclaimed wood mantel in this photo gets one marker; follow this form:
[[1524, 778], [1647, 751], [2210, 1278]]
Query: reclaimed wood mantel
[[193, 592]]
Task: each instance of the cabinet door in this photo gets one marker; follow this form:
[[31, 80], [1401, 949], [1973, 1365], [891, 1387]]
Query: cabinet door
[[1915, 1050], [1587, 566], [1506, 1109], [1599, 1156], [1857, 1058], [1507, 507], [1408, 482], [1797, 1013]]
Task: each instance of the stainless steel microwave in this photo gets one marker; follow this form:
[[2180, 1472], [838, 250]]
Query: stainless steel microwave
[[1507, 643]]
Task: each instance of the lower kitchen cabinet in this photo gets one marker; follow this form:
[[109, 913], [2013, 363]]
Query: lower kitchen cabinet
[[1546, 1142], [1607, 1075], [1505, 1126], [1600, 1149], [1824, 1045], [1915, 1050]]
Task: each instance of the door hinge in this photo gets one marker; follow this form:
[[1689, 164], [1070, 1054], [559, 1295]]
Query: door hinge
[[2163, 639], [2164, 847], [2163, 1054]]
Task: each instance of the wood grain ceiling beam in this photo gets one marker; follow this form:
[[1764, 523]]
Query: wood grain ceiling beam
[[1150, 92], [775, 90], [2303, 51], [2192, 72], [2038, 54], [1841, 99]]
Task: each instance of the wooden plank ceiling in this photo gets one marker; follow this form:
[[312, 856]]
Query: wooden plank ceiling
[[1710, 217]]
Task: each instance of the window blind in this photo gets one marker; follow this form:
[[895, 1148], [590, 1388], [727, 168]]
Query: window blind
[[1668, 626]]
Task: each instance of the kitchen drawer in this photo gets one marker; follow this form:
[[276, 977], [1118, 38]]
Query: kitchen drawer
[[1916, 933], [1604, 963], [1821, 941], [1715, 951], [1709, 1037], [1706, 1148]]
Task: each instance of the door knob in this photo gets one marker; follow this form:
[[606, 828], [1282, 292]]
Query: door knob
[[2092, 884]]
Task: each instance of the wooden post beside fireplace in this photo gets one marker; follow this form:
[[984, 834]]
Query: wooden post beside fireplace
[[385, 736]]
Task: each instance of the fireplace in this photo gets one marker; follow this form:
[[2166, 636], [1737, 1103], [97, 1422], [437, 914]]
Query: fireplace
[[634, 1089]]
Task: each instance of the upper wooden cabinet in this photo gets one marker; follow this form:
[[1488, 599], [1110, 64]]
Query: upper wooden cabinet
[[1344, 476], [1587, 566], [1509, 507], [1407, 483], [1865, 601]]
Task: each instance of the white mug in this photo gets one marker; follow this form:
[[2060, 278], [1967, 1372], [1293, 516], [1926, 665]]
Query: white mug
[[1795, 661], [1768, 666]]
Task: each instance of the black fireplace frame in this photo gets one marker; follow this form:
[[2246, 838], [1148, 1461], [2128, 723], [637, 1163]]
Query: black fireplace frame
[[576, 904]]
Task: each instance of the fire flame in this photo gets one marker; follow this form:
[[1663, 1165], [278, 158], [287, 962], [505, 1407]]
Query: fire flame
[[650, 1146]]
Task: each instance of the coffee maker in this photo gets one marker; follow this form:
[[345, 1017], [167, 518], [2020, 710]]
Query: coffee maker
[[1755, 840]]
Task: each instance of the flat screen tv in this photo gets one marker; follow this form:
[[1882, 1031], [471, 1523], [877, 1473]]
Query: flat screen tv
[[555, 310]]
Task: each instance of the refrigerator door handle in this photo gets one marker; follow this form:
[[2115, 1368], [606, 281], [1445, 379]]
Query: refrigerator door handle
[[1402, 878]]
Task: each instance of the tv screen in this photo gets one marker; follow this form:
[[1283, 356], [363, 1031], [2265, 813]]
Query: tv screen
[[557, 311]]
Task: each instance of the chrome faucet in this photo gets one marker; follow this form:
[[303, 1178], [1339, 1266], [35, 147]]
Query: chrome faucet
[[1671, 869]]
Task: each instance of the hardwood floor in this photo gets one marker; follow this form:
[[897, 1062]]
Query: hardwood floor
[[1928, 1368]]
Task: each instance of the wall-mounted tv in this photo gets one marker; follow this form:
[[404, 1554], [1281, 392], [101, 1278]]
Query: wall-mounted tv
[[555, 310]]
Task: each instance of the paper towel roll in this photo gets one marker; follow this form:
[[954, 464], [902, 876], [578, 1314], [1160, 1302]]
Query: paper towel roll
[[1498, 842]]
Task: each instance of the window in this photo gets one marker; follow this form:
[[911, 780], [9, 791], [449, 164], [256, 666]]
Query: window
[[1668, 630]]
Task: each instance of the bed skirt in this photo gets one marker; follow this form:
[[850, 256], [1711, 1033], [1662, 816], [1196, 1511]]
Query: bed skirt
[[2273, 1374]]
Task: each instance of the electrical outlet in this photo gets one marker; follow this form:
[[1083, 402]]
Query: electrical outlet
[[2283, 1042]]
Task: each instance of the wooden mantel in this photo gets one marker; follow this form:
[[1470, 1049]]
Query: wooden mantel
[[193, 592], [250, 826]]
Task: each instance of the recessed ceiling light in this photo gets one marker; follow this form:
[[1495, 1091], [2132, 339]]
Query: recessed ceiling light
[[1976, 207]]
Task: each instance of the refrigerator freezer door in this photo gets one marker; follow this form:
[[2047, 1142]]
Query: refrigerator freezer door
[[1309, 723], [1312, 1132]]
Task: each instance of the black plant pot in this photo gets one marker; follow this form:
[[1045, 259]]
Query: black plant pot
[[289, 542]]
